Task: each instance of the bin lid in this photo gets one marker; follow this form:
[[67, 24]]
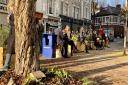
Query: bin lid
[[48, 34]]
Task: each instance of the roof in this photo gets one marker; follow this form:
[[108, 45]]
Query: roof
[[108, 11]]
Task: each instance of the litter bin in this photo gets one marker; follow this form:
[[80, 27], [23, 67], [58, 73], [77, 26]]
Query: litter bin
[[49, 45]]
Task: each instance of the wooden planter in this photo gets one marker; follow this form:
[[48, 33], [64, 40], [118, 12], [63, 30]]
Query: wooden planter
[[80, 47], [1, 57]]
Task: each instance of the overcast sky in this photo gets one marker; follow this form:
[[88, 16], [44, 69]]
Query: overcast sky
[[111, 2]]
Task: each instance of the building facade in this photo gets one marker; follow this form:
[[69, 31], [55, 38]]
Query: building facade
[[3, 13], [111, 18], [75, 13], [50, 10], [59, 13]]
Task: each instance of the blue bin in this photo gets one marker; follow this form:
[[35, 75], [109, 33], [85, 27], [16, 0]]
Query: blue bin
[[48, 45]]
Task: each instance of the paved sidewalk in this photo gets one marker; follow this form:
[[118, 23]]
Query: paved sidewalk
[[105, 67]]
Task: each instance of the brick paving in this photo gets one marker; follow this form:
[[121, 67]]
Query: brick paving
[[105, 67]]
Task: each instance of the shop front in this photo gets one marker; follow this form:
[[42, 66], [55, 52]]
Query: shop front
[[51, 23], [74, 24]]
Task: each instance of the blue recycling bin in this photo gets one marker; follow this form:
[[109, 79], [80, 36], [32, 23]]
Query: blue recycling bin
[[48, 45]]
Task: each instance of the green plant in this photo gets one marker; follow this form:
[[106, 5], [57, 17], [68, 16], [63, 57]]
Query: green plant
[[30, 78], [86, 81], [58, 72], [62, 74], [3, 36]]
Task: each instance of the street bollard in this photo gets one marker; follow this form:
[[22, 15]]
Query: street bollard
[[1, 57], [69, 51]]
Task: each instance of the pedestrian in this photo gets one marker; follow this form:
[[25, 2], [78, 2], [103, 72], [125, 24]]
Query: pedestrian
[[86, 41], [101, 31], [68, 41], [11, 37], [94, 38], [65, 46]]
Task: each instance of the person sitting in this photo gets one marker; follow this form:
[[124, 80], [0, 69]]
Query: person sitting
[[67, 40]]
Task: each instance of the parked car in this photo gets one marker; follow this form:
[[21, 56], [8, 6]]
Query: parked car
[[110, 34]]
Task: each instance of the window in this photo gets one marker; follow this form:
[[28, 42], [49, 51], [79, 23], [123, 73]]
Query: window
[[107, 19], [65, 9], [76, 12], [103, 20], [62, 8], [51, 6], [96, 20], [111, 19], [86, 12], [115, 19]]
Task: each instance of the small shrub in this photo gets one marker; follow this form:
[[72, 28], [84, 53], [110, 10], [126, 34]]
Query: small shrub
[[86, 81], [58, 72], [3, 36]]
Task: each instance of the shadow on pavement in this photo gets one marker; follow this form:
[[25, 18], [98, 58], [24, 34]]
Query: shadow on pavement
[[79, 61], [99, 70], [101, 80]]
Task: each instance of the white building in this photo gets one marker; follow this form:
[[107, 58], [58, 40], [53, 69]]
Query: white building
[[74, 13], [86, 9]]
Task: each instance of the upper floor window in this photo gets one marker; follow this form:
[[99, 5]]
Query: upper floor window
[[65, 9], [115, 19], [103, 19], [107, 19], [51, 6], [85, 12], [62, 6], [76, 12]]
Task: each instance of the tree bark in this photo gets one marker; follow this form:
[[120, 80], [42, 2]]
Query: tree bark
[[26, 37]]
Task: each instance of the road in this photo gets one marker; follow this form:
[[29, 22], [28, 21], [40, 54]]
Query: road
[[105, 67]]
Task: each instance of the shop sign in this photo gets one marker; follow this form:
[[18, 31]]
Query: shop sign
[[53, 23], [38, 15]]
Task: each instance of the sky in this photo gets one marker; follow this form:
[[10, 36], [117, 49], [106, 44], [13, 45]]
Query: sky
[[111, 2]]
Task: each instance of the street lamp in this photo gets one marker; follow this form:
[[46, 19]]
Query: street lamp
[[93, 12], [125, 27], [107, 25]]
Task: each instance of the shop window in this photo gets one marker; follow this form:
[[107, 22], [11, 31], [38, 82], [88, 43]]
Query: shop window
[[115, 19]]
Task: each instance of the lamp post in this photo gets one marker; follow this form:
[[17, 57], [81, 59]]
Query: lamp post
[[125, 28], [93, 13], [107, 25]]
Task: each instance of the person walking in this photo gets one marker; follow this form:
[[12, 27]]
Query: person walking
[[11, 37]]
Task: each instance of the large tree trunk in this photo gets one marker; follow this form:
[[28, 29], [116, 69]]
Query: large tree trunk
[[26, 37]]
